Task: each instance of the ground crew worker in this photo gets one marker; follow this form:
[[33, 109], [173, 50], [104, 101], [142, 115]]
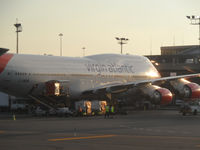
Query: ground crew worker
[[107, 114], [80, 111], [112, 110]]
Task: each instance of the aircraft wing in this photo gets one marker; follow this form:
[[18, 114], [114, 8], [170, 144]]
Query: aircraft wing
[[3, 50], [154, 81], [109, 88], [119, 88]]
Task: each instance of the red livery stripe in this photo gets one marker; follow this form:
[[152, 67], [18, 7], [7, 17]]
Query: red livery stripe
[[4, 59]]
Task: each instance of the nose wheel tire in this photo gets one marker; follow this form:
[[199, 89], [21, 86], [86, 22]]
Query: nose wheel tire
[[195, 112]]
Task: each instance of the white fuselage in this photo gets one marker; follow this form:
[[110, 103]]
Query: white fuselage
[[22, 72]]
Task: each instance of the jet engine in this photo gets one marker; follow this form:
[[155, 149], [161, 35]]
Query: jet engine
[[186, 88], [157, 94]]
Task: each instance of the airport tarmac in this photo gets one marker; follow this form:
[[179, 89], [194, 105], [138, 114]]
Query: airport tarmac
[[142, 130]]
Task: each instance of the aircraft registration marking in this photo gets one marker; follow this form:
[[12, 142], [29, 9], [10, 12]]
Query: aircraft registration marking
[[80, 138]]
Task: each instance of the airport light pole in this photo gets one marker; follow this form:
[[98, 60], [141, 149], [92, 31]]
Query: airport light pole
[[18, 29], [60, 43], [122, 41], [195, 20]]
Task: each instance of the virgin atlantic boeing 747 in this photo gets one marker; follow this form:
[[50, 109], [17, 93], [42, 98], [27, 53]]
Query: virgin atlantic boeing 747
[[96, 75]]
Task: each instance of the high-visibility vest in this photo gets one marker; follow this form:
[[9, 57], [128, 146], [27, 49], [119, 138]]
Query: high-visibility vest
[[107, 108], [112, 109]]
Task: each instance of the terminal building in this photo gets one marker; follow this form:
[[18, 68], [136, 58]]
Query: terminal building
[[177, 60]]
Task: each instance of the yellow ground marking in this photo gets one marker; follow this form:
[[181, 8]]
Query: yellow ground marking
[[1, 131], [80, 138]]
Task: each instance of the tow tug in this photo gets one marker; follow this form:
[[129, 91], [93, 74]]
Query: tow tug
[[192, 108]]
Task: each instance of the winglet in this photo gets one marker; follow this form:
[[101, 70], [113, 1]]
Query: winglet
[[3, 50]]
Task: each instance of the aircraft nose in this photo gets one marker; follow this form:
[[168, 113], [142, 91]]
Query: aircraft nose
[[4, 59]]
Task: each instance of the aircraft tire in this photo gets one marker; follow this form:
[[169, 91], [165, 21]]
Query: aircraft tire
[[195, 112]]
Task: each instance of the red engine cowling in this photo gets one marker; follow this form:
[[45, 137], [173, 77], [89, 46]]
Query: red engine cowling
[[157, 94], [187, 89]]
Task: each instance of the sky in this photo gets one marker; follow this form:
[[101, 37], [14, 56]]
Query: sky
[[94, 24]]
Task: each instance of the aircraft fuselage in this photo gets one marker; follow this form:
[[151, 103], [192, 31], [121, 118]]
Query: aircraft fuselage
[[19, 73]]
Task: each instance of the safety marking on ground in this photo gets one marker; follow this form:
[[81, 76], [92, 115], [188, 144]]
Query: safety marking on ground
[[2, 131], [80, 138], [198, 146]]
